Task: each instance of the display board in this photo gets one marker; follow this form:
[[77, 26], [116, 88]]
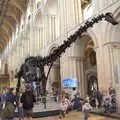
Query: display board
[[70, 82]]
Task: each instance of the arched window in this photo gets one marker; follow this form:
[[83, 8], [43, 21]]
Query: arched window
[[22, 26], [38, 4], [29, 17]]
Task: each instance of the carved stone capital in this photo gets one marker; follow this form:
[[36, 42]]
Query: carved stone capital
[[76, 58], [113, 44]]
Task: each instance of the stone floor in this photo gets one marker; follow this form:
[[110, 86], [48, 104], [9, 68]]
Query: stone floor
[[76, 116]]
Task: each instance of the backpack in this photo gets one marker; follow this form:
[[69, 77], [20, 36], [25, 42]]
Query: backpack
[[28, 101], [8, 111]]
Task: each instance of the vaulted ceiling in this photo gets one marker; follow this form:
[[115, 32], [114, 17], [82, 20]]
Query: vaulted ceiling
[[10, 15]]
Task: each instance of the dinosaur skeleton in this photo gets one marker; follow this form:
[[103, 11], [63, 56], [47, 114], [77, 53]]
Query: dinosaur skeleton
[[33, 67]]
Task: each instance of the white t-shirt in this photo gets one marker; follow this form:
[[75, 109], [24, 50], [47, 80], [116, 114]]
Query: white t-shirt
[[63, 106], [73, 94], [86, 106]]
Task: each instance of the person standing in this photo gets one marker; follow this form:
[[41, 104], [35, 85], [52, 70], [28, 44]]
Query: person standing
[[10, 105], [99, 97], [63, 107], [3, 97], [27, 100], [74, 93], [107, 103], [86, 109]]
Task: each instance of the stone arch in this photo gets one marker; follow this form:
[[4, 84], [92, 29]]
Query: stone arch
[[89, 71], [91, 34]]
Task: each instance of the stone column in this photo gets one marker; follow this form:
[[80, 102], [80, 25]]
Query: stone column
[[49, 28], [45, 30], [41, 38], [53, 28], [103, 67], [70, 14], [78, 12], [28, 42], [32, 40], [37, 40], [54, 75], [73, 67], [18, 55], [32, 29], [80, 76], [62, 16], [115, 63]]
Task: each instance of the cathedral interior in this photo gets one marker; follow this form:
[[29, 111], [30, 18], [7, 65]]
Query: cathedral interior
[[38, 27]]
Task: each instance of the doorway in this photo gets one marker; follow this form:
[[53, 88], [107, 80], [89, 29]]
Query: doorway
[[90, 67], [92, 85]]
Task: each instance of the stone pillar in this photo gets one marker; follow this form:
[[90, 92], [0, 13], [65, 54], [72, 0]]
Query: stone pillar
[[78, 12], [80, 76], [49, 29], [32, 29], [54, 76], [18, 55], [103, 67], [41, 38], [28, 43], [115, 67], [73, 67], [53, 28], [61, 6], [32, 42], [45, 30], [70, 14], [37, 40]]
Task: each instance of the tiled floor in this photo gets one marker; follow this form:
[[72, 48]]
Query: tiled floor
[[76, 116]]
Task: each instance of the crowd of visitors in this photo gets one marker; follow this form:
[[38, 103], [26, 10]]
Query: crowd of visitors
[[9, 104], [98, 100]]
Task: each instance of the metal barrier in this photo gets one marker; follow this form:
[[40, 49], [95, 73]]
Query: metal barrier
[[47, 102], [48, 98]]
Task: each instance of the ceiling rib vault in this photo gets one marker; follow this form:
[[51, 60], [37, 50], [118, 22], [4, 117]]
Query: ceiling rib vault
[[10, 15]]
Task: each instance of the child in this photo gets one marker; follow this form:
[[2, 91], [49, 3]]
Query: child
[[68, 104], [86, 109], [63, 107]]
